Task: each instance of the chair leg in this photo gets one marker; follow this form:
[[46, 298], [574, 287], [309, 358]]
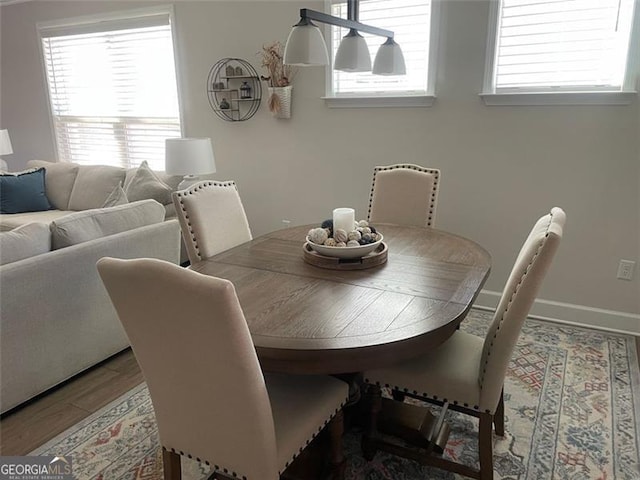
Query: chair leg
[[338, 463], [374, 397], [171, 464], [498, 417], [485, 442]]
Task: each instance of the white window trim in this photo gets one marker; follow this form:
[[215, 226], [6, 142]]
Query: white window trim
[[108, 17], [625, 96], [386, 100]]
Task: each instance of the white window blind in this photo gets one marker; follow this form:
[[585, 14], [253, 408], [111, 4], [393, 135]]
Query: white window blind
[[562, 45], [410, 21], [113, 92]]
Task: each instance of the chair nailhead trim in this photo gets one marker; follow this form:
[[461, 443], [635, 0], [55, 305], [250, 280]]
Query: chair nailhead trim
[[190, 191], [295, 455], [513, 294], [434, 190]]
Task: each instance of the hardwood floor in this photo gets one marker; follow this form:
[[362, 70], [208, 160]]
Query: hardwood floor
[[28, 427]]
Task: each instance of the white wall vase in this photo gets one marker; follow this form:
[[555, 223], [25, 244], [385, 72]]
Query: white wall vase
[[279, 101]]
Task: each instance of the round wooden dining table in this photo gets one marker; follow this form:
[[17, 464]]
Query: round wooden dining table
[[310, 320]]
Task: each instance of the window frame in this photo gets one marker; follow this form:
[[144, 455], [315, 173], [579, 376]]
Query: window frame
[[578, 96], [393, 99], [127, 16]]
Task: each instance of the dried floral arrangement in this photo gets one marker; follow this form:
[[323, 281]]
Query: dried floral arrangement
[[280, 75]]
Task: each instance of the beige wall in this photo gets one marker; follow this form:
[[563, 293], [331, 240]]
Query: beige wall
[[502, 167]]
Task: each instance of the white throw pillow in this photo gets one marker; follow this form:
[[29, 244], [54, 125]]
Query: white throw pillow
[[146, 184], [117, 197], [93, 185], [25, 241]]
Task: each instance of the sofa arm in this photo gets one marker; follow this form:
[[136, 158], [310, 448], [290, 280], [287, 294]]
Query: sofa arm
[[55, 315]]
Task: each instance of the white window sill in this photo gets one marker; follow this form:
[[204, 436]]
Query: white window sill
[[380, 101], [559, 98]]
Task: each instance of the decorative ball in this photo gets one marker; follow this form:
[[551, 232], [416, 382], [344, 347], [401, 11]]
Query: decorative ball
[[330, 242], [340, 235], [363, 223], [373, 229], [327, 224], [353, 243], [366, 230], [341, 244], [318, 235], [367, 237], [354, 235]]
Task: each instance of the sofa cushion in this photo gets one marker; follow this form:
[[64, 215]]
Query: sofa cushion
[[10, 221], [58, 181], [23, 242], [23, 192], [146, 184], [88, 225], [117, 197], [93, 185]]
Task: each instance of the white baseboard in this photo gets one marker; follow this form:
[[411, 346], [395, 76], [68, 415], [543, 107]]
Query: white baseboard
[[610, 320]]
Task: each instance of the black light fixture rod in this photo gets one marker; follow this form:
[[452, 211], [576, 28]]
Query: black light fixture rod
[[341, 22], [353, 10]]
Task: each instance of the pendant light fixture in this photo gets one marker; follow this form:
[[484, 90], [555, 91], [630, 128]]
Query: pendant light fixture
[[305, 43]]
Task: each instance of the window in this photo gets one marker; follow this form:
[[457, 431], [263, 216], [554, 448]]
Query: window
[[411, 21], [112, 87], [556, 46]]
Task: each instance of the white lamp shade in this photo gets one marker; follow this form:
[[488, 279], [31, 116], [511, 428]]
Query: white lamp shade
[[389, 59], [305, 46], [5, 143], [189, 156], [353, 54]]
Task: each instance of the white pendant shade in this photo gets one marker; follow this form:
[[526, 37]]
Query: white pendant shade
[[389, 59], [305, 46], [353, 54]]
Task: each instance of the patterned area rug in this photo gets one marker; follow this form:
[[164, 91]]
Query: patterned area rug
[[572, 404]]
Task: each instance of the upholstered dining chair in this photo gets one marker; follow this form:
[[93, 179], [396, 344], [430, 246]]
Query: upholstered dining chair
[[212, 401], [211, 217], [404, 194], [467, 372]]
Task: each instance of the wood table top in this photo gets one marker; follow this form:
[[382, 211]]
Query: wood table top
[[306, 319]]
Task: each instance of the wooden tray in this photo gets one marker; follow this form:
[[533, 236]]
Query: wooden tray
[[375, 258]]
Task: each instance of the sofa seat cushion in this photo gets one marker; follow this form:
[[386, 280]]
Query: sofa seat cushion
[[9, 221], [58, 181], [88, 225], [23, 192], [24, 242], [93, 185]]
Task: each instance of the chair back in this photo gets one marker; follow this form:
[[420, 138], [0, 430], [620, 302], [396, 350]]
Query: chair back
[[192, 342], [212, 218], [518, 295], [404, 194]]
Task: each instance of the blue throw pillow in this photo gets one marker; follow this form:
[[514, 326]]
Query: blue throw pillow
[[23, 192]]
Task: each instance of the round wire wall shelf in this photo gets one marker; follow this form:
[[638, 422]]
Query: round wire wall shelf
[[234, 89]]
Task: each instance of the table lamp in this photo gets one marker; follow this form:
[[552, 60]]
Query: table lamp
[[190, 157], [5, 149]]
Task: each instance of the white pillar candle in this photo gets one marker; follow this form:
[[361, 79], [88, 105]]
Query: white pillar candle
[[344, 218]]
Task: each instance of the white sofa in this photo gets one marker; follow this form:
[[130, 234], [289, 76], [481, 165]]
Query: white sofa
[[70, 187], [56, 319]]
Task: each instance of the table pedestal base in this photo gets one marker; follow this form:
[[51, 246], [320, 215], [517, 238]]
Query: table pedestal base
[[413, 424]]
